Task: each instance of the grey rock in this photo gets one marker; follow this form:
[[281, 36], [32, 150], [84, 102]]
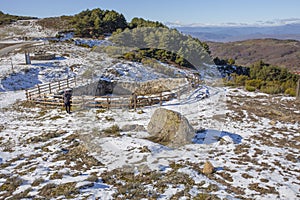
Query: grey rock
[[170, 128]]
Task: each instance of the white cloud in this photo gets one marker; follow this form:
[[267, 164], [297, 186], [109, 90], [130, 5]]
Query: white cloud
[[275, 22]]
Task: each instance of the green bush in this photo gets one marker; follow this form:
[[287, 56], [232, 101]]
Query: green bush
[[96, 22], [130, 56], [271, 89], [228, 83], [255, 83], [250, 88], [288, 84], [140, 22], [148, 55], [240, 80], [266, 78], [290, 92]]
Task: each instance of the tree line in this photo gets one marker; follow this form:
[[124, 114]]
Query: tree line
[[97, 22], [158, 54], [8, 19], [187, 47]]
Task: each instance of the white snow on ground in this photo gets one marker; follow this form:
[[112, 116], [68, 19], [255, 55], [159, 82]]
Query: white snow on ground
[[125, 150], [8, 98], [255, 152], [25, 28]]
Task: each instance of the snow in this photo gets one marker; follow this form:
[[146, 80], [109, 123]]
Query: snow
[[241, 144], [8, 98]]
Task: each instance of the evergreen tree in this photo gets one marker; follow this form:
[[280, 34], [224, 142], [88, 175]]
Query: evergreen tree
[[96, 22]]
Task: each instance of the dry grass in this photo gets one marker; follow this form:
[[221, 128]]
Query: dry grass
[[226, 176], [112, 131], [262, 190], [276, 52], [37, 182], [242, 148], [79, 155], [44, 137], [51, 190], [10, 185], [56, 175], [92, 178]]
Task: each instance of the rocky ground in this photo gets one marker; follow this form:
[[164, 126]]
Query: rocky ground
[[95, 153], [251, 139]]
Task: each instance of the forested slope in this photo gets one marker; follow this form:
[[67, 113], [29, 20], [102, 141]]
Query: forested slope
[[284, 53]]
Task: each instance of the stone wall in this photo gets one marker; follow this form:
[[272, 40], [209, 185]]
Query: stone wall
[[104, 87]]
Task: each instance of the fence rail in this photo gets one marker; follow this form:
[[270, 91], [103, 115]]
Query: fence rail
[[50, 88], [48, 95], [107, 102]]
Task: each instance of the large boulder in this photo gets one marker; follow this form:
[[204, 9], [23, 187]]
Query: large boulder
[[170, 128]]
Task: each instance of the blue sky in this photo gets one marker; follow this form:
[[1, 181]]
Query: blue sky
[[181, 11]]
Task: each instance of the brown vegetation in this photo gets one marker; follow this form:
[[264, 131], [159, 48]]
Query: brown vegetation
[[285, 53]]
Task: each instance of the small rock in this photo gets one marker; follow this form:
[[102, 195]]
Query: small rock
[[226, 140], [133, 128], [208, 168], [61, 132]]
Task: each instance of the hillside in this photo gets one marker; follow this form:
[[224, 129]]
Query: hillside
[[7, 18], [106, 151], [285, 53]]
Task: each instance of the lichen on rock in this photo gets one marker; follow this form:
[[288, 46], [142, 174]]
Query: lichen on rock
[[170, 128]]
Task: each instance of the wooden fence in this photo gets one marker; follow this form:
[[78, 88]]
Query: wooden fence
[[51, 88], [108, 101], [48, 95]]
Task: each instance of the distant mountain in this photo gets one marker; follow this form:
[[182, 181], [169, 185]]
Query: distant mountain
[[284, 53], [239, 33]]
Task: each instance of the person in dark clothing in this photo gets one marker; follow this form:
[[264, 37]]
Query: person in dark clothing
[[67, 100]]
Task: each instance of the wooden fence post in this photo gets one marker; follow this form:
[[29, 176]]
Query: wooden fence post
[[108, 102], [160, 99], [68, 82], [134, 101], [27, 95], [12, 66], [45, 101], [50, 88], [39, 90], [298, 90], [59, 84]]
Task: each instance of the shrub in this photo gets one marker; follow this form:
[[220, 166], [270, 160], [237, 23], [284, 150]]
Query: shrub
[[37, 182], [290, 92], [56, 175], [227, 82], [250, 88], [241, 80], [289, 84], [51, 190], [11, 184], [271, 89], [100, 111], [113, 130], [255, 83], [130, 56]]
